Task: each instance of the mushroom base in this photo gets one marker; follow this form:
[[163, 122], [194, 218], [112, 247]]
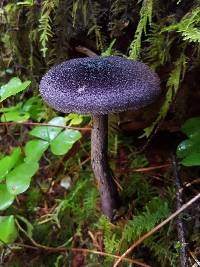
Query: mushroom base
[[99, 160]]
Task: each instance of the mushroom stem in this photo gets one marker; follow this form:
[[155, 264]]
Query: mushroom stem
[[99, 160]]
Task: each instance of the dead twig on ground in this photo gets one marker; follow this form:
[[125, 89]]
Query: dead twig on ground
[[148, 169]]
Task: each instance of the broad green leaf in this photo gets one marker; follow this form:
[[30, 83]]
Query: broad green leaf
[[17, 116], [5, 166], [34, 150], [49, 133], [193, 159], [19, 179], [13, 87], [191, 126], [64, 141], [8, 230], [186, 147], [9, 162], [6, 199]]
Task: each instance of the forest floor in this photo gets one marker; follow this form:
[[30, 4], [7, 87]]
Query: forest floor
[[59, 217]]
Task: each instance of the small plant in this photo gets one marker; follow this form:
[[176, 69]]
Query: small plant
[[17, 169], [189, 150]]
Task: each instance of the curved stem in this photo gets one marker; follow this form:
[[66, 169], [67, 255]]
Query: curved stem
[[99, 160]]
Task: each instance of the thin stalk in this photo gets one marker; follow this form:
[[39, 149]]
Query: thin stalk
[[99, 160]]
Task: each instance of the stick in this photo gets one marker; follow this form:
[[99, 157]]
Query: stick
[[84, 250], [86, 51], [44, 124]]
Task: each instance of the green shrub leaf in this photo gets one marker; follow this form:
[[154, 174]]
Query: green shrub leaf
[[64, 141], [9, 162], [8, 230], [34, 106], [193, 159], [14, 86], [18, 180], [186, 147], [191, 127], [49, 133], [6, 199], [12, 108], [17, 116], [34, 150], [74, 119]]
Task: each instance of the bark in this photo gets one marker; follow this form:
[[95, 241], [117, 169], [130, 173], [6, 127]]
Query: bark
[[99, 160]]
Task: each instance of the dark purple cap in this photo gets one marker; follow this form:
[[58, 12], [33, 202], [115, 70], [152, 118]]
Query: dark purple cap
[[99, 85]]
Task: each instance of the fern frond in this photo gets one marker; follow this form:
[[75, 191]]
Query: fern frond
[[109, 50], [111, 238], [89, 203], [191, 34], [145, 18], [175, 78], [154, 211], [188, 27], [162, 248], [96, 10], [45, 24], [157, 51]]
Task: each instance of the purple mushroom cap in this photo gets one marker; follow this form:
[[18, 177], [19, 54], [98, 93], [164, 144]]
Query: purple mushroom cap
[[99, 85]]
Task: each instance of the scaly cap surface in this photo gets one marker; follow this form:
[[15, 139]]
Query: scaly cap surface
[[99, 85]]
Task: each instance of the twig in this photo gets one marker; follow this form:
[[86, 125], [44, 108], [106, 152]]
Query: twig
[[85, 51], [45, 124], [72, 170], [180, 226], [194, 258], [64, 249], [148, 169], [155, 229]]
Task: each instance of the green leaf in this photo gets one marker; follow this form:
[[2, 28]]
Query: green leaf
[[193, 159], [6, 199], [186, 147], [12, 108], [13, 87], [9, 162], [34, 106], [17, 116], [49, 133], [191, 127], [74, 119], [8, 230], [34, 150], [19, 179], [64, 141]]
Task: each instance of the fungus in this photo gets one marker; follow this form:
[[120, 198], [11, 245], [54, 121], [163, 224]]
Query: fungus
[[99, 86]]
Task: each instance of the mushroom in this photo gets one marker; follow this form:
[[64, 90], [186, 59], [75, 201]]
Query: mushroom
[[99, 86]]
